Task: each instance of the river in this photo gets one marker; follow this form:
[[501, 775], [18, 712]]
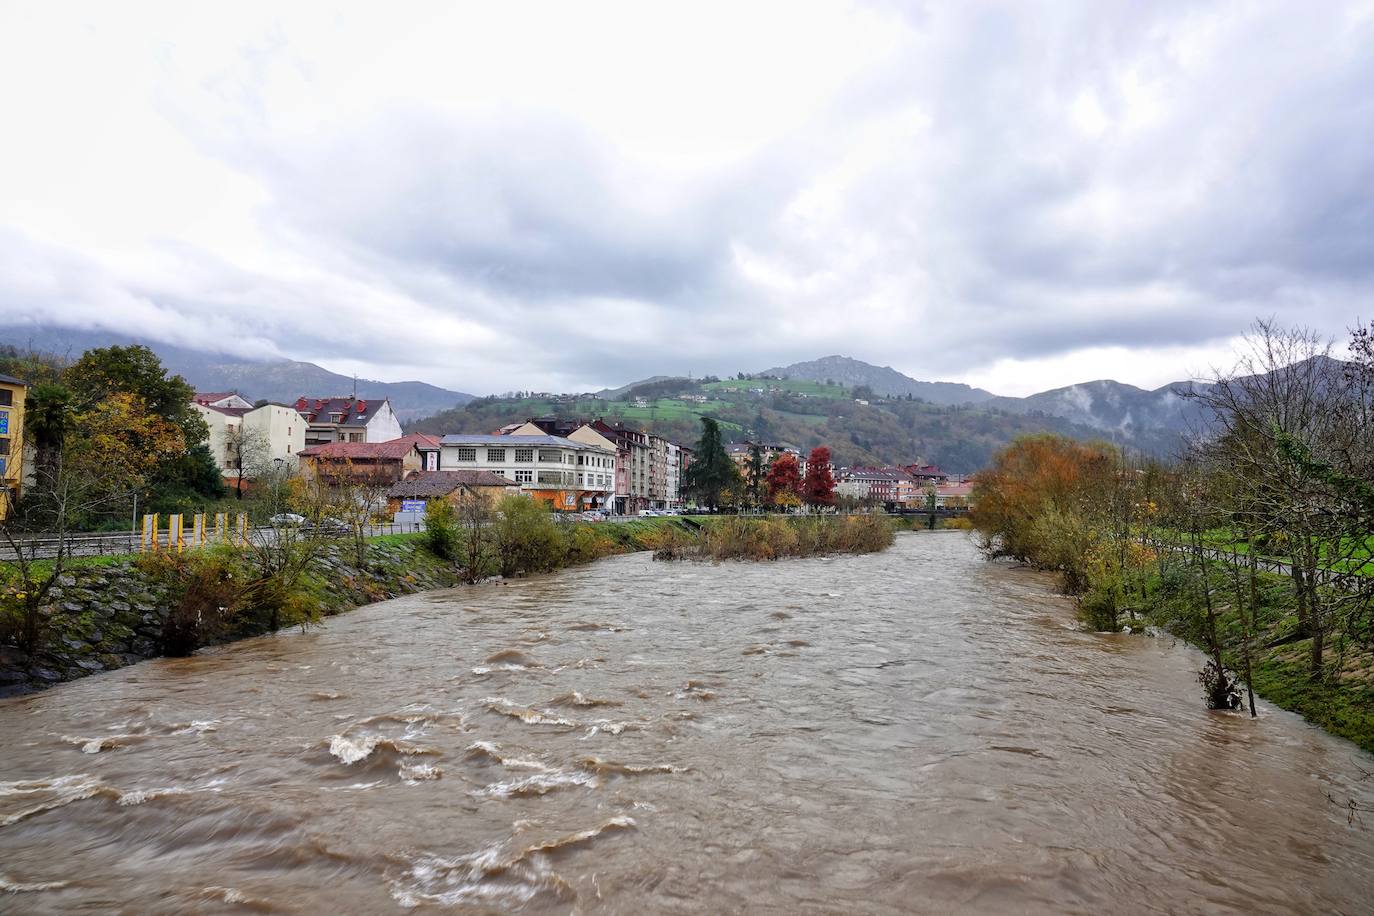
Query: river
[[912, 731]]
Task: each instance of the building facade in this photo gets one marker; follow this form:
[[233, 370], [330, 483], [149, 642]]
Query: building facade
[[566, 474], [348, 420], [249, 441], [13, 392]]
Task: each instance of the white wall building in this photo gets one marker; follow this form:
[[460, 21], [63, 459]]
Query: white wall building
[[255, 439], [348, 420], [567, 474]]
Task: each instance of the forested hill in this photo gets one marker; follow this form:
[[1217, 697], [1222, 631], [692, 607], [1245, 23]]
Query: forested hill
[[959, 439]]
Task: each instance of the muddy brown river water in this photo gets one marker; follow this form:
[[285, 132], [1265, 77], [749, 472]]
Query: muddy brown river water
[[915, 731]]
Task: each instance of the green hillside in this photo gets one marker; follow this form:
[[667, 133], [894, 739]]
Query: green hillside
[[805, 414]]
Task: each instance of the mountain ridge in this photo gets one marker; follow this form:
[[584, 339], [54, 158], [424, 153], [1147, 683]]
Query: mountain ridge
[[883, 380], [281, 380]]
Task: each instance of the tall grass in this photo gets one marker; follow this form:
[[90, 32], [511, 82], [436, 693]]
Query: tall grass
[[773, 538]]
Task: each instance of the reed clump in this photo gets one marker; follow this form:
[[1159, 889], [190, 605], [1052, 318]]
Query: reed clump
[[740, 538]]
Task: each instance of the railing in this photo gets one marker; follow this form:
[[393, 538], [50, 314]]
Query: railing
[[46, 547]]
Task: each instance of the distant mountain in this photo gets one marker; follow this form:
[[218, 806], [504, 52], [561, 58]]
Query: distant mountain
[[884, 380], [1150, 420], [276, 380]]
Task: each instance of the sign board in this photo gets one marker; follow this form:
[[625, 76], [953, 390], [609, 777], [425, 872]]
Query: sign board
[[413, 505], [4, 422]]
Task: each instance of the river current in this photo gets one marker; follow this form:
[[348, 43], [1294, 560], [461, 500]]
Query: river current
[[912, 731]]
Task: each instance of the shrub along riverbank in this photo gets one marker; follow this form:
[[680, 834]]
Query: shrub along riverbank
[[103, 615], [1126, 539]]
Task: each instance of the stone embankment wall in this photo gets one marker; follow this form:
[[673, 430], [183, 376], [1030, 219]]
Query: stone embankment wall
[[105, 617]]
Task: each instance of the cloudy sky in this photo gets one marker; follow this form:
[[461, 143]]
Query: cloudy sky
[[493, 196]]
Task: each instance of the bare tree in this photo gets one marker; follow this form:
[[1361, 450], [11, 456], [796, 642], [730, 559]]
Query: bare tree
[[1272, 419]]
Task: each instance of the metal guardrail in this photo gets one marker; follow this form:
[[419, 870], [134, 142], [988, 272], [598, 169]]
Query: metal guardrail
[[126, 542], [1325, 574]]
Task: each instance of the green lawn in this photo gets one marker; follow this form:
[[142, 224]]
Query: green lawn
[[795, 386]]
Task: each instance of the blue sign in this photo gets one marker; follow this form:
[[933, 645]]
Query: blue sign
[[4, 422], [412, 505]]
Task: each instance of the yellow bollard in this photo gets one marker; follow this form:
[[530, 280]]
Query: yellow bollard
[[174, 531]]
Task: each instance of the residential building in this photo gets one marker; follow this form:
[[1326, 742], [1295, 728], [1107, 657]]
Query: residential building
[[348, 419], [648, 468], [956, 495], [926, 474], [13, 392], [428, 446], [878, 485], [373, 464], [427, 486], [248, 441], [568, 475], [221, 399], [740, 453]]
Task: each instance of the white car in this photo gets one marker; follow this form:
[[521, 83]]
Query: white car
[[287, 520]]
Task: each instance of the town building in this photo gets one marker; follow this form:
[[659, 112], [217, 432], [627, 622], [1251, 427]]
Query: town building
[[221, 399], [567, 474], [957, 495], [348, 419], [368, 464], [926, 474], [740, 453], [247, 442], [416, 492], [889, 486], [13, 392], [648, 469]]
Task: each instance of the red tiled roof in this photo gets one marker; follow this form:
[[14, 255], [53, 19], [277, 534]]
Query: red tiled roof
[[394, 450], [442, 483], [352, 411], [206, 398], [421, 440]]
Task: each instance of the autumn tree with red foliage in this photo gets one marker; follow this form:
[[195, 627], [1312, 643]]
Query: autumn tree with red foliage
[[784, 480], [818, 487]]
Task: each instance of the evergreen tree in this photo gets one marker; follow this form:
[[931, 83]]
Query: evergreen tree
[[754, 475], [711, 470]]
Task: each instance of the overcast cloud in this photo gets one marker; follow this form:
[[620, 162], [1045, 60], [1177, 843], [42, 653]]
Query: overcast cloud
[[568, 196]]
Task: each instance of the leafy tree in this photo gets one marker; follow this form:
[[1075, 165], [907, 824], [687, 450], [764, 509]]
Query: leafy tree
[[818, 486], [120, 444], [527, 539], [137, 370], [784, 480], [711, 470], [47, 419]]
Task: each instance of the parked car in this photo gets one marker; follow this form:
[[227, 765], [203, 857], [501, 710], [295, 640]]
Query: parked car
[[287, 520]]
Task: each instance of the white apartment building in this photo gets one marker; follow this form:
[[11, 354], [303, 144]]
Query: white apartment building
[[566, 474], [248, 440], [348, 420]]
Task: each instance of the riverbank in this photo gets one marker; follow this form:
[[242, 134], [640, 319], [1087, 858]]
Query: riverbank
[[1342, 702], [109, 612], [861, 735]]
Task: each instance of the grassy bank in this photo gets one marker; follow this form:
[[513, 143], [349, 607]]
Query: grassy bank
[[1341, 701]]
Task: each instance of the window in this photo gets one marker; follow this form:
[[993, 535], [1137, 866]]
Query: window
[[524, 476], [4, 446], [466, 454], [6, 397], [550, 456], [557, 478], [579, 461], [496, 454], [524, 455]]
